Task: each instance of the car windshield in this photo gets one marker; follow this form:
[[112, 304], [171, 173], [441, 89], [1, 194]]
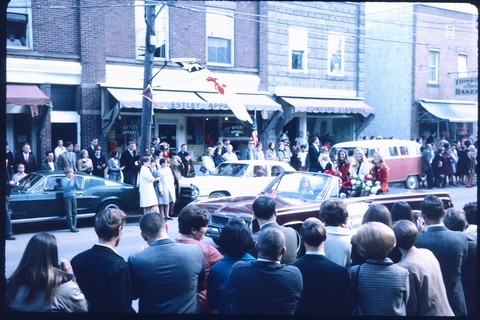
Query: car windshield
[[29, 181], [300, 185], [231, 169]]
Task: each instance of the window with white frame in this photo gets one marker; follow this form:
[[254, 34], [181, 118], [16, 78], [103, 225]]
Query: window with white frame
[[161, 31], [462, 65], [18, 24], [220, 31], [433, 66], [449, 32], [336, 54], [298, 42]]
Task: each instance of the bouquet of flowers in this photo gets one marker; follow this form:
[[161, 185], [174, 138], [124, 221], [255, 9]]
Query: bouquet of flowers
[[358, 183], [371, 186]]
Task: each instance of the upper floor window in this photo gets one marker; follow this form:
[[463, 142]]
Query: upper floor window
[[161, 31], [449, 32], [298, 42], [18, 24], [336, 54], [462, 65], [220, 30], [433, 66]]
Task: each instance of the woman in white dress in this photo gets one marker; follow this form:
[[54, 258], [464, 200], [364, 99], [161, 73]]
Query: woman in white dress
[[207, 161], [167, 188], [148, 196]]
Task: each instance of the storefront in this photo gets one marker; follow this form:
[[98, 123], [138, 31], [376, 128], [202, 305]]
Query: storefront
[[453, 120]]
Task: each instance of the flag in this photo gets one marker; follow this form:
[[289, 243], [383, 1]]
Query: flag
[[254, 129]]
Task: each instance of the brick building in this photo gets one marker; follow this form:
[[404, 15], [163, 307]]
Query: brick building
[[88, 59], [415, 54]]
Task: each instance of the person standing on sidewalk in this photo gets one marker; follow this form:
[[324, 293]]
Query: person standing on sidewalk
[[8, 188], [70, 185]]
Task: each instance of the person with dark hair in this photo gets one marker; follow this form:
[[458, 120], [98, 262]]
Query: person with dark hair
[[270, 153], [166, 186], [449, 247], [114, 169], [382, 286], [375, 213], [428, 296], [188, 167], [148, 195], [401, 210], [218, 157], [334, 214], [264, 210], [68, 158], [26, 158], [471, 212], [320, 272], [99, 163], [49, 163], [40, 284], [456, 220], [265, 286], [235, 243], [9, 184], [91, 148], [313, 154], [167, 275], [192, 225], [427, 159], [130, 161], [101, 272]]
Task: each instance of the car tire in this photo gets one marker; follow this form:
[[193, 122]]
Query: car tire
[[110, 204], [411, 182], [217, 194]]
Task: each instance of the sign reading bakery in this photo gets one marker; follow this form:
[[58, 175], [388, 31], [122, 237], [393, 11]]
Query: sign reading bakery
[[466, 86]]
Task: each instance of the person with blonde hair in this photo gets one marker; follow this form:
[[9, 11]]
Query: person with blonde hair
[[85, 164], [208, 165], [360, 165], [379, 172], [148, 196], [382, 286]]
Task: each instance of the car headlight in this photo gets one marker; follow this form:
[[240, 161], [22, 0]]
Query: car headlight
[[194, 190]]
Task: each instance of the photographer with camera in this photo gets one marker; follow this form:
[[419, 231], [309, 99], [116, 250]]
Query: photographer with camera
[[70, 186]]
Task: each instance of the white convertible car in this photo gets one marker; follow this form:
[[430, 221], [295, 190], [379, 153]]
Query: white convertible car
[[234, 178]]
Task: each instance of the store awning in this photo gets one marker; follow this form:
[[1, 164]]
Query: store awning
[[26, 95], [453, 111], [341, 106], [187, 100]]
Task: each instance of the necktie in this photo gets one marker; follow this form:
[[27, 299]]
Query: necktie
[[26, 158]]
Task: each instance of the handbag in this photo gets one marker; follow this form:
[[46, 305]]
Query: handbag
[[203, 169]]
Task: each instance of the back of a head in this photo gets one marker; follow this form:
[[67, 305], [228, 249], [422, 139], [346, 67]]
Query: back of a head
[[235, 239], [270, 243], [151, 223], [378, 213], [333, 212], [41, 251], [313, 232], [401, 210], [471, 212], [108, 221], [375, 240], [192, 217], [432, 207], [455, 219], [264, 208], [406, 233]]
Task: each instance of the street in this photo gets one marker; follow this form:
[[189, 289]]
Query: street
[[70, 244]]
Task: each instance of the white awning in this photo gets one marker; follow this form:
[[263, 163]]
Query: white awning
[[453, 111], [341, 106]]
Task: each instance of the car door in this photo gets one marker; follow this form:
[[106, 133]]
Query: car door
[[45, 200]]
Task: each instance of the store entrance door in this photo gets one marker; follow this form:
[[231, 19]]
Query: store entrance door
[[168, 132]]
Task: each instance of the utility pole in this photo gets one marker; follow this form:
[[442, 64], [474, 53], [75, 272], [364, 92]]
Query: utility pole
[[147, 110]]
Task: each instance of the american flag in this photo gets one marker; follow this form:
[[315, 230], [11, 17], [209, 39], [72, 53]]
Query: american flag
[[254, 129]]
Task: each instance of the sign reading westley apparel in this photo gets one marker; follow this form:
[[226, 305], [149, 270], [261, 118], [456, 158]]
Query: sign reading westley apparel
[[466, 86]]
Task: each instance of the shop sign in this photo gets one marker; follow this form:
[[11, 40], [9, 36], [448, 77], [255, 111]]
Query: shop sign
[[130, 129], [466, 86], [236, 131]]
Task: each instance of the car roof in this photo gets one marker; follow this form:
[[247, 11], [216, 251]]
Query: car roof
[[373, 143], [261, 162]]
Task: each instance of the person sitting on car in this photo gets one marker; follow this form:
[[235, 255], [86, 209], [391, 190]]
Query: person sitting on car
[[305, 187]]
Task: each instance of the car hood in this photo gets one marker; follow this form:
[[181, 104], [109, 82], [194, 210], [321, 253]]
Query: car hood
[[204, 180]]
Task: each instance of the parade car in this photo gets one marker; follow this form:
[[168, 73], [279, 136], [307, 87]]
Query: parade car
[[38, 197], [232, 178], [293, 207]]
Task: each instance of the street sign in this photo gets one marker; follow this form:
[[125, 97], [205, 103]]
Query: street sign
[[466, 86]]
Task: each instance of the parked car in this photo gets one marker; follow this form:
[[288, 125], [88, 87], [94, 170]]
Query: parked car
[[294, 207], [39, 197], [233, 178], [403, 157]]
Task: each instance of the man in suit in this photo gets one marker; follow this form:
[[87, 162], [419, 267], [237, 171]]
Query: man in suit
[[183, 151], [427, 164], [49, 164], [99, 163], [8, 189], [11, 159], [249, 151], [101, 273], [319, 272], [91, 147], [449, 247], [166, 275], [313, 154], [265, 286], [266, 215], [129, 160], [68, 158], [428, 296], [26, 158]]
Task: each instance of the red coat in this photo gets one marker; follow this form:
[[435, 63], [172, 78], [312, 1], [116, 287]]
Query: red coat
[[344, 171], [382, 176]]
